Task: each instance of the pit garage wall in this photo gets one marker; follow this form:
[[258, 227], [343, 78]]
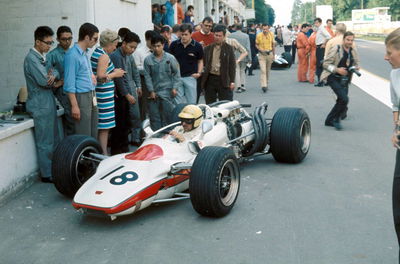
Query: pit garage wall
[[19, 19]]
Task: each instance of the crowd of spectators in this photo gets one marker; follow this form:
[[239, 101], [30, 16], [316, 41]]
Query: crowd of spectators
[[107, 90]]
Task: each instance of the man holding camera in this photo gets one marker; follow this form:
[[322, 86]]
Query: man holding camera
[[339, 65]]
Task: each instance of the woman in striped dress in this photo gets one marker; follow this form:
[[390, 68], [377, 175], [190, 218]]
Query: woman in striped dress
[[105, 72]]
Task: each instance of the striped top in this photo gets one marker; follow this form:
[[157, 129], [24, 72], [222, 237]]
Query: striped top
[[104, 93]]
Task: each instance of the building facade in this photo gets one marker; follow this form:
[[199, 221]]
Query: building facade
[[19, 19]]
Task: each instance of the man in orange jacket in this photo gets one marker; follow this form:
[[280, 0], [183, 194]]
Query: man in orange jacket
[[313, 58], [303, 51]]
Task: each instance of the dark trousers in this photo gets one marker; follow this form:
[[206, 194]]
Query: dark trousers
[[287, 48], [396, 198], [119, 140], [143, 99], [253, 64], [320, 59], [294, 48], [342, 100], [213, 90], [198, 89]]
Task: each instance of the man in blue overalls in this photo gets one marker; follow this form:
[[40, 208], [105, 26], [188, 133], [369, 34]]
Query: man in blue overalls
[[41, 103]]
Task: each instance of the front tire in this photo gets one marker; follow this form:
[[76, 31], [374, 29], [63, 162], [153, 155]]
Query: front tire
[[214, 181], [290, 135], [69, 168]]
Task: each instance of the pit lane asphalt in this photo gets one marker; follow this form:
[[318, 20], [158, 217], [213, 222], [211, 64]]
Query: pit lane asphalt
[[335, 207]]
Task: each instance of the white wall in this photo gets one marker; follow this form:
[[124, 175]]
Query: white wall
[[114, 14], [19, 19]]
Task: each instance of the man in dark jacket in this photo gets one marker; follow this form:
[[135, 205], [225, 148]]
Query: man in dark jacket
[[218, 79]]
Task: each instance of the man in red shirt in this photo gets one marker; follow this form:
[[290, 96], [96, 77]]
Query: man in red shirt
[[205, 37]]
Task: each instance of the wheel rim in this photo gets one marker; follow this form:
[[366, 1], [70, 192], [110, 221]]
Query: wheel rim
[[228, 182], [305, 135], [85, 168]]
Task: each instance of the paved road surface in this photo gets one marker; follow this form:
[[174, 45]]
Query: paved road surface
[[335, 207], [371, 55]]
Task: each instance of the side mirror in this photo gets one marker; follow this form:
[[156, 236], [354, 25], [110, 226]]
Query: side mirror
[[206, 126]]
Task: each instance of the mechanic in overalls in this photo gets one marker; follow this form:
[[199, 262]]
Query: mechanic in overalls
[[191, 117], [41, 104], [163, 80]]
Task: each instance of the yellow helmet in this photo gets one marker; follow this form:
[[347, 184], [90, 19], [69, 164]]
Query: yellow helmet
[[192, 114]]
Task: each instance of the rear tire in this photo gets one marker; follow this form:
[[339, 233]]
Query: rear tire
[[290, 135], [69, 170], [288, 57], [214, 181]]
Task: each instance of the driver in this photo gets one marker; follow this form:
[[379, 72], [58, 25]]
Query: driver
[[191, 117]]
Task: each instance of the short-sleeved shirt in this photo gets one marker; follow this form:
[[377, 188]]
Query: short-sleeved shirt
[[187, 57], [265, 41], [206, 38]]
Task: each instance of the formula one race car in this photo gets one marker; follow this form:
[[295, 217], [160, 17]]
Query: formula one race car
[[161, 169], [283, 61]]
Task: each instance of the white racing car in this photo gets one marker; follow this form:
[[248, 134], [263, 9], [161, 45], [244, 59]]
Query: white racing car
[[162, 169]]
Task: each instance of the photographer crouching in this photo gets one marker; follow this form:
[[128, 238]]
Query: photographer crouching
[[339, 65]]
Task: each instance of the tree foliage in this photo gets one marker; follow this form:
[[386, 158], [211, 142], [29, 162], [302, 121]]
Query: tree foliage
[[301, 12], [264, 12]]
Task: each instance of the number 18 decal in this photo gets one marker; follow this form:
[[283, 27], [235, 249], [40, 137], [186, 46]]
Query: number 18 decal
[[124, 178]]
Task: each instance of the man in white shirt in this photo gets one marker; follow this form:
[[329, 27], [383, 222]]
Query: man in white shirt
[[287, 37], [320, 40], [139, 55]]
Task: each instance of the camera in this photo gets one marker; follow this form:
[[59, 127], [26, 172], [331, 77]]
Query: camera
[[353, 69]]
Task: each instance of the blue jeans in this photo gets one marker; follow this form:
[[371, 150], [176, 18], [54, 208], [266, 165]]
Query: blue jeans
[[187, 93]]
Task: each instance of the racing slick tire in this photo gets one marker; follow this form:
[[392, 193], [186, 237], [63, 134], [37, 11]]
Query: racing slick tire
[[288, 57], [290, 135], [69, 169], [214, 181]]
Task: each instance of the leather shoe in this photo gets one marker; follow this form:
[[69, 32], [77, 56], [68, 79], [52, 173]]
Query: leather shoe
[[320, 84], [46, 180], [264, 89], [329, 124], [250, 74]]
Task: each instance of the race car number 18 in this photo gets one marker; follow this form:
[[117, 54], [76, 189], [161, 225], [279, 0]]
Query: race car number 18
[[124, 178]]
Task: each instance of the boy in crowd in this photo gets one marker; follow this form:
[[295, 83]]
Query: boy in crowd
[[162, 75], [124, 99]]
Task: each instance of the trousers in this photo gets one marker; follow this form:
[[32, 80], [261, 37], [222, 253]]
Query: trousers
[[214, 90], [396, 198], [87, 125], [265, 68], [342, 100], [319, 54]]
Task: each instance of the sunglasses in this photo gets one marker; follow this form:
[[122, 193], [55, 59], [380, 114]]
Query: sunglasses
[[47, 42], [66, 39], [189, 121]]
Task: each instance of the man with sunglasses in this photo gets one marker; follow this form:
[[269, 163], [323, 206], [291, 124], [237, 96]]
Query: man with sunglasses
[[41, 103], [55, 59], [191, 117], [80, 82]]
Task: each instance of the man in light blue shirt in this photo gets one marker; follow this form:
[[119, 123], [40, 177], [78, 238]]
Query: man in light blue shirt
[[170, 15], [80, 82], [55, 59]]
